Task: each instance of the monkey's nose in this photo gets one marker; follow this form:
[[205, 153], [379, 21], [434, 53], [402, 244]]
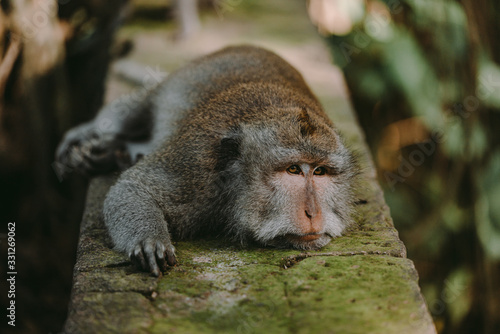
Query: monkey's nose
[[310, 221], [311, 214]]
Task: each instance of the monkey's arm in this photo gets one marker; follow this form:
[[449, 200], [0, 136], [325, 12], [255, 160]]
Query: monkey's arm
[[103, 143], [136, 222]]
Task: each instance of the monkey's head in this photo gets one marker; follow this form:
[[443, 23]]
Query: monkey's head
[[294, 181]]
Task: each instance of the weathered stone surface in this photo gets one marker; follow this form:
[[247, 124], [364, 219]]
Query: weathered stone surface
[[324, 294], [110, 312]]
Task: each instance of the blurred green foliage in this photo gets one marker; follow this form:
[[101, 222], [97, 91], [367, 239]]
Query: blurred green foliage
[[435, 63]]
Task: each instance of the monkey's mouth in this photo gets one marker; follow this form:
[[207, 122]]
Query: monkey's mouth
[[303, 237]]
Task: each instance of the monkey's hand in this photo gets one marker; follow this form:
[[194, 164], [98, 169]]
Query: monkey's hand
[[153, 255], [90, 151]]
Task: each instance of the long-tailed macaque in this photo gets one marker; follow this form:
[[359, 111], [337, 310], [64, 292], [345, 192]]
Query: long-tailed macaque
[[234, 143]]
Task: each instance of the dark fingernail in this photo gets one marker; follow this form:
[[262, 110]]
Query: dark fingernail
[[171, 260]]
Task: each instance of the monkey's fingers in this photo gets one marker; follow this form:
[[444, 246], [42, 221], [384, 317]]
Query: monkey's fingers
[[70, 140], [160, 255], [153, 256], [137, 257], [143, 261], [170, 255], [90, 153], [73, 138], [150, 254], [165, 255], [101, 156]]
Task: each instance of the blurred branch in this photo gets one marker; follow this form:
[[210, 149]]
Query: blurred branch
[[37, 24], [7, 63]]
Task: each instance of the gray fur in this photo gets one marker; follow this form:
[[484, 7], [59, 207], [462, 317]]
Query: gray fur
[[215, 135]]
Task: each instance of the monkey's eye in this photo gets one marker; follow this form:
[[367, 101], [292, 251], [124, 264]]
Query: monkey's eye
[[294, 169], [320, 171]]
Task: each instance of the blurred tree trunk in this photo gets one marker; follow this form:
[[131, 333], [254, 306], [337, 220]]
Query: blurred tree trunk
[[484, 22], [54, 57], [187, 17]]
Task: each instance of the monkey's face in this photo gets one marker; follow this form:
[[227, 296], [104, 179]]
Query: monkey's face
[[298, 193]]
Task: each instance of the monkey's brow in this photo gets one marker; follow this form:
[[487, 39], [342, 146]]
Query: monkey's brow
[[284, 164]]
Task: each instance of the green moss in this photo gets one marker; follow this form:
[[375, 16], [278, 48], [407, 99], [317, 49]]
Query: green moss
[[347, 294], [220, 288]]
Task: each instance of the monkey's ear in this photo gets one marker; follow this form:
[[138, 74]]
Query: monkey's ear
[[228, 150], [306, 126]]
